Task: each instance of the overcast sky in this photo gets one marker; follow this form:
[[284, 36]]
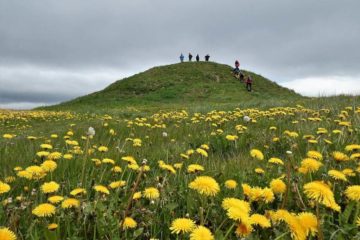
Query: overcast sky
[[51, 51]]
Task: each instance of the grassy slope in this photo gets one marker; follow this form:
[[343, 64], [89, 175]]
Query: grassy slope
[[183, 84]]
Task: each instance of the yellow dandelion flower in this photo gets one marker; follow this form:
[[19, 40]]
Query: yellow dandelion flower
[[116, 169], [4, 188], [349, 172], [178, 165], [314, 155], [8, 136], [129, 223], [108, 160], [54, 155], [103, 149], [228, 203], [7, 234], [320, 192], [182, 225], [50, 187], [261, 220], [52, 226], [151, 193], [55, 199], [267, 195], [358, 222], [255, 153], [24, 174], [243, 229], [202, 152], [117, 184], [42, 154], [353, 192], [70, 203], [308, 222], [46, 146], [310, 165], [278, 186], [129, 159], [137, 195], [137, 142], [355, 156], [201, 233], [276, 161], [49, 166], [231, 137], [340, 157], [168, 168], [352, 147], [230, 184], [36, 172], [68, 156], [337, 175], [246, 189], [193, 168], [44, 210], [205, 185], [101, 189], [185, 156], [78, 191], [259, 170], [9, 179]]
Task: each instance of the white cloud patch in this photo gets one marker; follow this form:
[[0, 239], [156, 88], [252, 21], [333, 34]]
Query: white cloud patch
[[26, 87], [325, 86]]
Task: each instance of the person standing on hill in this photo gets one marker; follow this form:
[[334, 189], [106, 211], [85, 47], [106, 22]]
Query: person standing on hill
[[190, 57], [237, 64], [182, 57], [236, 71], [197, 58], [207, 57], [249, 83]]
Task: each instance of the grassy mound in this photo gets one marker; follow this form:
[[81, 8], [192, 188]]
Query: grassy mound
[[184, 83]]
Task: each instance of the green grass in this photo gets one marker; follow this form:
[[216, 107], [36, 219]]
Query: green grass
[[152, 101], [183, 84]]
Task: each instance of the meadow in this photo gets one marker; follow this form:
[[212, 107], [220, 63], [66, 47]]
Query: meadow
[[225, 173]]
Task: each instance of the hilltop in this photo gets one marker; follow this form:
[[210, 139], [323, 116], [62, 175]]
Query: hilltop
[[183, 83]]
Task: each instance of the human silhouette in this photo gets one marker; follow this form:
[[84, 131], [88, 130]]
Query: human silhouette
[[197, 58], [182, 57], [249, 83], [190, 57], [207, 57]]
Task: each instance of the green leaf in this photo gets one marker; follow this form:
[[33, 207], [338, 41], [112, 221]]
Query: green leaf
[[347, 213], [171, 206], [138, 232]]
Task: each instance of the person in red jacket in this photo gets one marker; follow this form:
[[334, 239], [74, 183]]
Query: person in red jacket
[[249, 83], [237, 64]]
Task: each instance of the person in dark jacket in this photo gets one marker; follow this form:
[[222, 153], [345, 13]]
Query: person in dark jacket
[[181, 58], [197, 58], [190, 57], [207, 57], [249, 83]]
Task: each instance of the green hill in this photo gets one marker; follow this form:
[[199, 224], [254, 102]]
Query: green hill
[[184, 83]]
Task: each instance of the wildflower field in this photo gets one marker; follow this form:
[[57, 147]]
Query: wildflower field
[[275, 173]]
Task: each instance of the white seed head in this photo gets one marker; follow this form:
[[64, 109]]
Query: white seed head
[[91, 132]]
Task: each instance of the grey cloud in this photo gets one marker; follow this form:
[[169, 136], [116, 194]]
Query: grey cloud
[[283, 40]]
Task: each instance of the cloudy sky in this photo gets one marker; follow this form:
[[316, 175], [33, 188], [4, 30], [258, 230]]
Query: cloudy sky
[[51, 51]]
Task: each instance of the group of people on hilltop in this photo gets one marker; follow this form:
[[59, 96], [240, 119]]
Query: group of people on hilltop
[[182, 57], [239, 75], [236, 71]]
